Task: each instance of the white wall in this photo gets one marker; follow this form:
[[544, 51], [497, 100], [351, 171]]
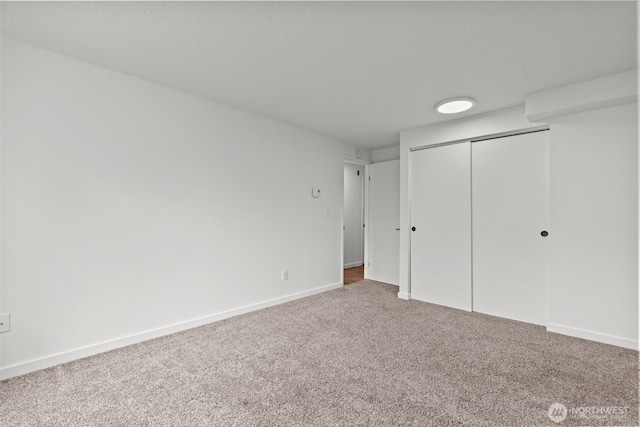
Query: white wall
[[130, 210], [353, 215], [386, 154], [594, 207], [594, 225]]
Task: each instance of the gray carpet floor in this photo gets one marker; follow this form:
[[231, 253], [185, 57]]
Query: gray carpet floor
[[352, 356]]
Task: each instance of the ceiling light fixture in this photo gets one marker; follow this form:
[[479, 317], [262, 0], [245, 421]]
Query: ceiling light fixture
[[455, 105]]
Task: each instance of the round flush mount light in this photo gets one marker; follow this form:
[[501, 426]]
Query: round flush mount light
[[455, 105]]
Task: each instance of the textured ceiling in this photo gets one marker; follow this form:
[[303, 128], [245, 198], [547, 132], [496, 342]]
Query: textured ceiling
[[358, 71]]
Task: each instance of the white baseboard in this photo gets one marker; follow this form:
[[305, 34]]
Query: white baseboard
[[404, 295], [593, 336], [353, 264], [90, 350]]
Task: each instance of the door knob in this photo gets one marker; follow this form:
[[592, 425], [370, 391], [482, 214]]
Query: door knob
[[413, 229], [544, 234]]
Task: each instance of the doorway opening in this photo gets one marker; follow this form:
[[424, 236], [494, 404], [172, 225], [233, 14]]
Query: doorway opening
[[353, 227]]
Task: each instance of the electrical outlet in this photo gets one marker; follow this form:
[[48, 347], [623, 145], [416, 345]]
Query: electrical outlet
[[284, 275], [5, 322]]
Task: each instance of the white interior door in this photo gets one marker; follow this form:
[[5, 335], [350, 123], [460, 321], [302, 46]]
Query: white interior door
[[441, 220], [510, 211], [384, 223]]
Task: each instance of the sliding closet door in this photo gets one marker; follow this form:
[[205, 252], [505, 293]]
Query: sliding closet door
[[510, 217], [441, 224]]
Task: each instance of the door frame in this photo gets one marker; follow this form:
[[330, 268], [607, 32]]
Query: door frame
[[365, 198]]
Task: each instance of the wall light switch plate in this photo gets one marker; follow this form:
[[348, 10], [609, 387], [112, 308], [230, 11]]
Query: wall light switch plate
[[315, 192], [5, 322]]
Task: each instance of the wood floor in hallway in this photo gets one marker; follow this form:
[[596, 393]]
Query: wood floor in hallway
[[352, 275]]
